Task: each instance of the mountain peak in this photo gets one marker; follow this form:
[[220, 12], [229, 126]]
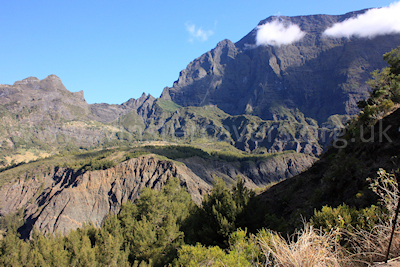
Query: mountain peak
[[30, 79], [52, 77], [225, 42]]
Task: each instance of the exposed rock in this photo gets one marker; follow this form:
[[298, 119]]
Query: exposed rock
[[255, 174], [320, 76], [61, 199], [65, 199]]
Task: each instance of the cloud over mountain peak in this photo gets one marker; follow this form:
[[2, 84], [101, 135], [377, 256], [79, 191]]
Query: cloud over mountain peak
[[277, 33]]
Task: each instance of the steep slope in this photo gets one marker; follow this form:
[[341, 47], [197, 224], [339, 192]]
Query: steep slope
[[340, 175], [64, 199], [317, 75], [41, 117], [56, 198]]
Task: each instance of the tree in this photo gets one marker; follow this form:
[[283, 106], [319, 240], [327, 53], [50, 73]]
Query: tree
[[109, 243], [152, 224], [79, 245], [242, 251], [385, 85]]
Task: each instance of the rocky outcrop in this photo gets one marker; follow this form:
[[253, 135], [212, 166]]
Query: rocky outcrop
[[43, 114], [255, 173], [320, 76], [61, 199], [65, 199], [277, 168]]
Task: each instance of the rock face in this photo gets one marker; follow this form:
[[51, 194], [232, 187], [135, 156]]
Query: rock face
[[66, 199], [255, 174], [42, 114], [320, 76], [61, 199]]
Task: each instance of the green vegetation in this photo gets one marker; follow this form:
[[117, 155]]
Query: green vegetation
[[167, 105], [178, 152], [101, 159], [385, 92], [221, 213], [148, 232]]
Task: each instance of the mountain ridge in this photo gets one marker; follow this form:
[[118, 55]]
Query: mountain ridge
[[256, 77]]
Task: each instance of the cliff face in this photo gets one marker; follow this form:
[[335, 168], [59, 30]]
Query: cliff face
[[65, 199], [318, 75], [61, 199]]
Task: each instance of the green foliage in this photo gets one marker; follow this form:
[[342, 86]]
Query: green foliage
[[385, 86], [345, 217], [14, 251], [230, 156], [145, 233], [275, 223], [220, 214], [99, 165], [109, 243], [167, 105], [242, 251], [11, 222], [79, 246], [178, 152], [151, 226], [135, 154]]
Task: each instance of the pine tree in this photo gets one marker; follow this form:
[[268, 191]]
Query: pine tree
[[152, 224]]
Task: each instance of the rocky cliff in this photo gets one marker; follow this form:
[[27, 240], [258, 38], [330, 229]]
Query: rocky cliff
[[61, 199], [41, 117], [318, 75]]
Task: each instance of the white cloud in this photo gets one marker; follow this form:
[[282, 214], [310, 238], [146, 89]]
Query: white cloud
[[198, 33], [377, 21], [278, 33]]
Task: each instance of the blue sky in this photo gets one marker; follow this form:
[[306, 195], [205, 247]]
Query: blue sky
[[116, 50]]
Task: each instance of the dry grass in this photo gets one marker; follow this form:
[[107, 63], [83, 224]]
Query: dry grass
[[371, 246], [306, 248]]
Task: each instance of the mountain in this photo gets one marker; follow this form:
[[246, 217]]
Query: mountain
[[317, 75]]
